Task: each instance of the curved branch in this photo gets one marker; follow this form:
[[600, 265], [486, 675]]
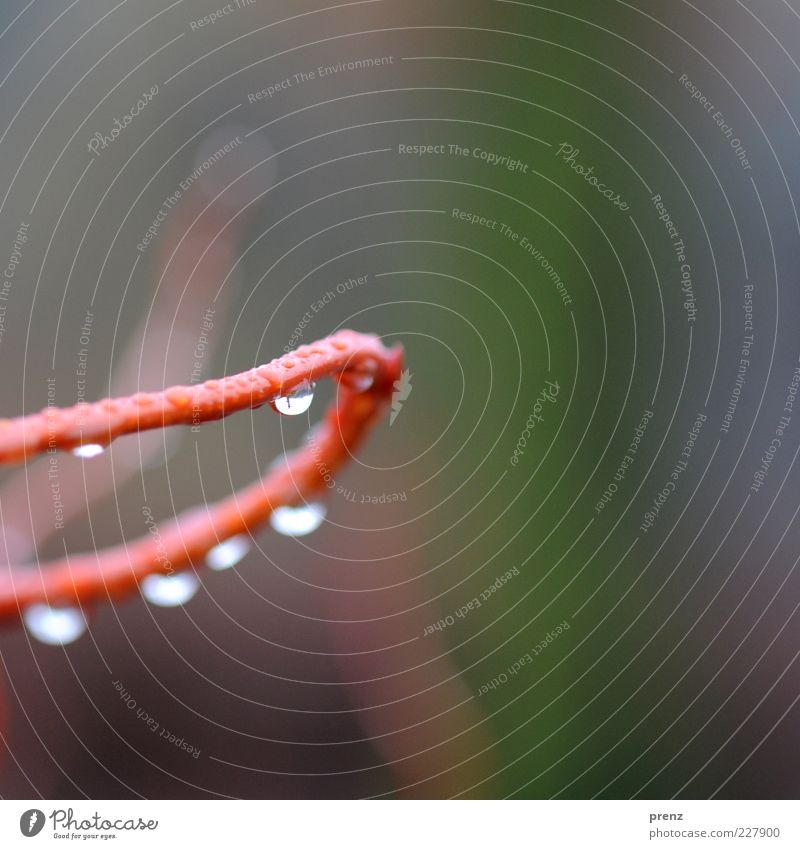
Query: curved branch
[[112, 572]]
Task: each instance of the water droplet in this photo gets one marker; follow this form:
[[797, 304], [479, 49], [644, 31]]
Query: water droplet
[[361, 375], [55, 626], [170, 590], [298, 521], [178, 396], [358, 381], [228, 553], [93, 449], [297, 401]]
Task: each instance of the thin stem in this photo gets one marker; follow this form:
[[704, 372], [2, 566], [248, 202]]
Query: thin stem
[[186, 539]]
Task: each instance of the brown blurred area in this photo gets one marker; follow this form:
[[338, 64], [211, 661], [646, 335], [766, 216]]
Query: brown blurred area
[[303, 672]]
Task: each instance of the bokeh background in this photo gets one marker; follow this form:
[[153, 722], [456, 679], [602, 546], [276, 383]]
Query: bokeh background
[[617, 650]]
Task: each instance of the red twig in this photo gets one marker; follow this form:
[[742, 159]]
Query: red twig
[[355, 358]]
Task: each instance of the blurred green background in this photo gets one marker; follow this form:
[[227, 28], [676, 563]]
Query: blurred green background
[[493, 175]]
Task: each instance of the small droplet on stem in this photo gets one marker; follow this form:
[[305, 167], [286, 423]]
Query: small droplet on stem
[[298, 521], [92, 449], [228, 553], [170, 590], [359, 377], [357, 381]]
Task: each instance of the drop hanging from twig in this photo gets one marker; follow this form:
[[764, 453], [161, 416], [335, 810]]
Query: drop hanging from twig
[[298, 521], [85, 452], [55, 626], [228, 553], [297, 401], [170, 590]]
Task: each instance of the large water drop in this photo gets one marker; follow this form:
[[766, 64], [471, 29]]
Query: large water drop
[[55, 626], [297, 401], [298, 521], [170, 590]]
